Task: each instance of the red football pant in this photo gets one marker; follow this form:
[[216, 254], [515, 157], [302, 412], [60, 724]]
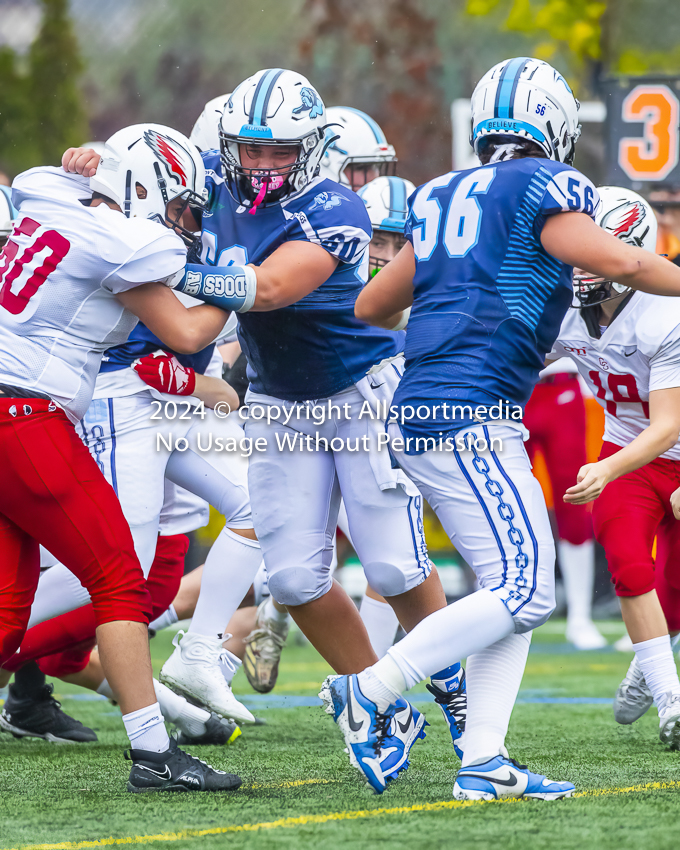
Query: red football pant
[[556, 419], [629, 514], [63, 644], [52, 492]]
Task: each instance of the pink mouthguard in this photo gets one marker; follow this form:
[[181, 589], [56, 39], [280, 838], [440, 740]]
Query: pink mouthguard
[[266, 184]]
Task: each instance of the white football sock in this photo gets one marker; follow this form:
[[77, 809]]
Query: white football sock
[[381, 623], [658, 667], [271, 612], [229, 571], [383, 693], [577, 563], [449, 635], [146, 730], [188, 718], [167, 618], [229, 663], [493, 677]]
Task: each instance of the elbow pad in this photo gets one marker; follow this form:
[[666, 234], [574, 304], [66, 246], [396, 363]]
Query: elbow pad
[[228, 287], [401, 324]]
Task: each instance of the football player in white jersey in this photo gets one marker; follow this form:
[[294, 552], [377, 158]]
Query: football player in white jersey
[[626, 345], [75, 273]]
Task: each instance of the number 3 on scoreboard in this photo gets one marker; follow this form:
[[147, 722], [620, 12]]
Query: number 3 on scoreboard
[[655, 155], [15, 291]]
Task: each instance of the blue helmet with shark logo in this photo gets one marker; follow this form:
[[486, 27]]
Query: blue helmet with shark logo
[[274, 107]]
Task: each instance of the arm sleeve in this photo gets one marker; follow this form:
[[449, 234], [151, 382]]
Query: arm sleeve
[[665, 364], [158, 260], [567, 191], [336, 222]]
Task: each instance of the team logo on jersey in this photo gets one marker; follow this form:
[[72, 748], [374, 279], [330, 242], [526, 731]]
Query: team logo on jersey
[[172, 155], [604, 364], [311, 102], [580, 352], [326, 201], [624, 222]]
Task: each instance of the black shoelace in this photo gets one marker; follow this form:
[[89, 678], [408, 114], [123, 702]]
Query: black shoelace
[[382, 725], [455, 702]]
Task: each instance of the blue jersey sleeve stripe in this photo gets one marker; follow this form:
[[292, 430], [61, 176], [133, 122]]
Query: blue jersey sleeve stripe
[[507, 86], [377, 132], [263, 91], [528, 276]]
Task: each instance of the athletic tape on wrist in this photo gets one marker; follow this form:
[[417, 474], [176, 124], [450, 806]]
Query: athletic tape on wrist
[[229, 287]]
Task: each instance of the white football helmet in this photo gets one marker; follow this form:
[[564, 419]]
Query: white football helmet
[[206, 132], [7, 213], [157, 159], [273, 107], [386, 202], [525, 98], [362, 145], [629, 217]]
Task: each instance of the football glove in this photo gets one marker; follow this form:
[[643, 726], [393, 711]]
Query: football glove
[[165, 373]]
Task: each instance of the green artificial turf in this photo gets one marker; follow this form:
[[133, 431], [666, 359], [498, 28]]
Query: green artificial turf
[[68, 794]]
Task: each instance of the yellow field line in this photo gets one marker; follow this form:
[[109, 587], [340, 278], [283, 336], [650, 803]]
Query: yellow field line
[[313, 819]]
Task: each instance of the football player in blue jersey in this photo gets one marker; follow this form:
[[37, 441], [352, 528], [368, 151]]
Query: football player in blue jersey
[[487, 272], [297, 248]]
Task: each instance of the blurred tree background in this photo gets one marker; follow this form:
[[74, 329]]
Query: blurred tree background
[[76, 69]]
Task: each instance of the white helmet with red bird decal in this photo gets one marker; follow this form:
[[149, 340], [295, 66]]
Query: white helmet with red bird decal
[[629, 217], [146, 166]]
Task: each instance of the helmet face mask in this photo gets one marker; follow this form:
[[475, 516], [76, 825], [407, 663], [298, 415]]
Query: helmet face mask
[[628, 216], [273, 184], [273, 108]]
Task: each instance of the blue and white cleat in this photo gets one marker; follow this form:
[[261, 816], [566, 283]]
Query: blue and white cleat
[[362, 725], [407, 727], [449, 692], [501, 777]]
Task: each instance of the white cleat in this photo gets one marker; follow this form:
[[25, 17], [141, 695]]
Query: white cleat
[[669, 720], [194, 670], [584, 634], [633, 697]]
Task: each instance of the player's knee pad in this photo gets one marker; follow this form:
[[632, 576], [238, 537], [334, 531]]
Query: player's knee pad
[[390, 580], [298, 585]]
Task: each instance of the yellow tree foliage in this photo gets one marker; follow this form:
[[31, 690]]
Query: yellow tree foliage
[[554, 24]]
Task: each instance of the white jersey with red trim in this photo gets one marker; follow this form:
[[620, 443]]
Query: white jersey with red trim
[[60, 272], [638, 352]]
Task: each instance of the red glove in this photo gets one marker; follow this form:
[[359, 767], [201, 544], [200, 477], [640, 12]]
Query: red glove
[[165, 373]]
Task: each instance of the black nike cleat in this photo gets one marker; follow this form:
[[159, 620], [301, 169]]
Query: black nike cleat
[[40, 716], [175, 770], [218, 732]]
